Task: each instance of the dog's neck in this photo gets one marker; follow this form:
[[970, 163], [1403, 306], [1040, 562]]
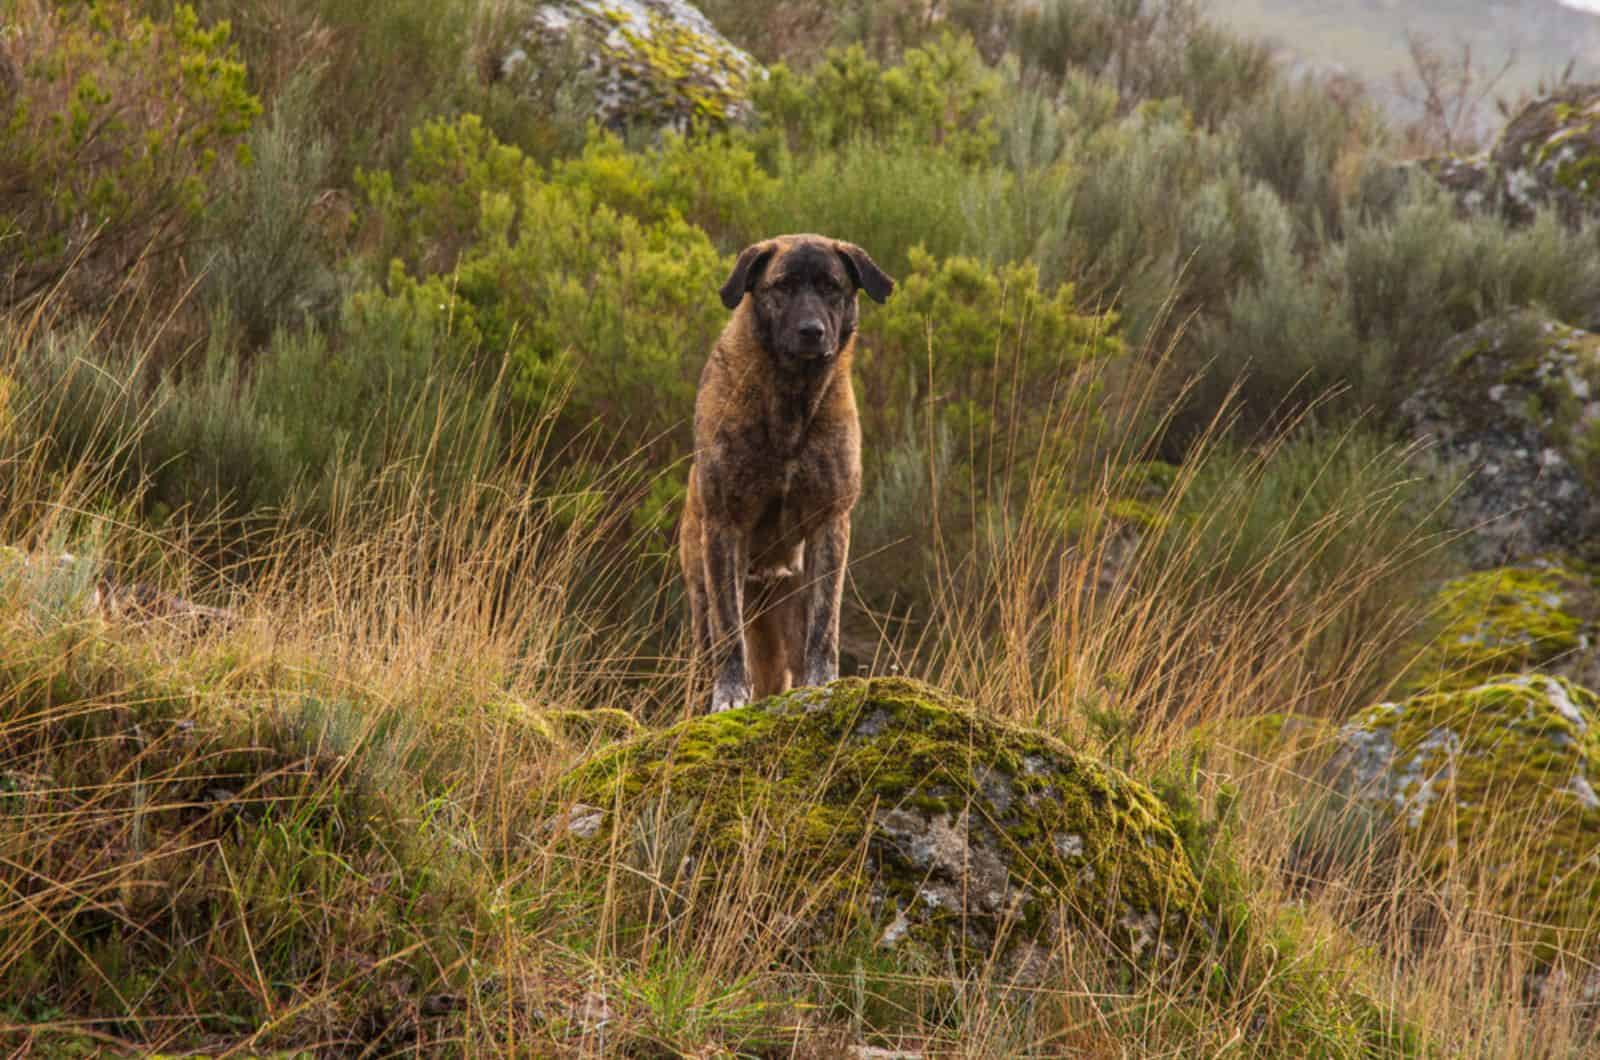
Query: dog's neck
[[793, 394]]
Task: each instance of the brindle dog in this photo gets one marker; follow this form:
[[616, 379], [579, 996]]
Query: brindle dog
[[777, 468]]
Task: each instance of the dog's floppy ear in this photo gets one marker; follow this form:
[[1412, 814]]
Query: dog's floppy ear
[[864, 271], [746, 271]]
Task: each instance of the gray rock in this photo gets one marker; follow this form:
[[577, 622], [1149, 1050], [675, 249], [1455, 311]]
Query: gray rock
[[1514, 404], [1548, 155], [1501, 776], [656, 63]]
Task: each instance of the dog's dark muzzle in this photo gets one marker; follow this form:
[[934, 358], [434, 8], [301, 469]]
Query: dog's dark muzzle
[[811, 340]]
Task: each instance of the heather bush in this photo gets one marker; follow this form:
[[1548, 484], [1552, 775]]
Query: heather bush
[[888, 198], [377, 69], [714, 181], [941, 94], [308, 429], [271, 248], [429, 214], [988, 351], [1283, 342], [1308, 141], [578, 301], [1147, 49], [1134, 215], [1417, 278], [111, 144]]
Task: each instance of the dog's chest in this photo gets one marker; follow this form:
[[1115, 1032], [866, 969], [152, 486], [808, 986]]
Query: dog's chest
[[777, 542]]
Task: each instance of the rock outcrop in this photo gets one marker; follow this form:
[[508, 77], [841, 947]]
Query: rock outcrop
[[1548, 155], [1493, 787], [897, 810], [654, 63], [1515, 405], [1542, 617]]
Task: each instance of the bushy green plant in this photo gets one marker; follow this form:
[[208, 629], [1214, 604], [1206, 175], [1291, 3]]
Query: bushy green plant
[[429, 214], [1284, 341], [309, 428], [990, 350], [888, 198], [1415, 279], [1307, 141], [583, 303], [1149, 49], [270, 260], [377, 68], [714, 181], [111, 141], [1133, 214], [941, 94]]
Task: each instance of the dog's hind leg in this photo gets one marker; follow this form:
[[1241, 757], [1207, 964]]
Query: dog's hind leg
[[699, 625]]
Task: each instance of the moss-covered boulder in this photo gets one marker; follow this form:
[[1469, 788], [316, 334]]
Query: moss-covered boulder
[[654, 63], [899, 811], [1541, 617], [1514, 403], [1549, 154], [1493, 790]]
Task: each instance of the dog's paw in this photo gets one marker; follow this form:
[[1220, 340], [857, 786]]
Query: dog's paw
[[821, 674], [729, 697]]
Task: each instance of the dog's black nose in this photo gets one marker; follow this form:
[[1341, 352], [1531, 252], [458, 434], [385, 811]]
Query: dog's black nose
[[811, 331]]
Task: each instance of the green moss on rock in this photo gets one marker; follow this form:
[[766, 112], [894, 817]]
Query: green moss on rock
[[652, 63], [1511, 620], [891, 801], [1492, 787], [1549, 153]]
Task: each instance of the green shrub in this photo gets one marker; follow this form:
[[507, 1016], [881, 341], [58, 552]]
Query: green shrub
[[430, 215], [941, 94], [111, 142], [989, 350], [377, 68], [888, 198], [1149, 49], [1132, 189], [311, 427], [1416, 279], [586, 306], [714, 181], [270, 261], [1284, 342], [1304, 141]]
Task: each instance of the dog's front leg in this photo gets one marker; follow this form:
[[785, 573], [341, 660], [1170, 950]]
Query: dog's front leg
[[826, 549], [726, 566]]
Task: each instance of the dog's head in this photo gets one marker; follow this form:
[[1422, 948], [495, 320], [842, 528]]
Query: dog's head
[[803, 294]]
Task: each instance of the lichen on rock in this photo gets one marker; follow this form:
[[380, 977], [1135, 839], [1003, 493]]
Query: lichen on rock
[[1546, 157], [1515, 404], [656, 63], [1493, 786], [1549, 154], [1543, 616], [897, 809]]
